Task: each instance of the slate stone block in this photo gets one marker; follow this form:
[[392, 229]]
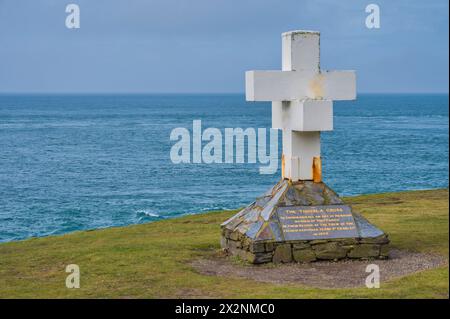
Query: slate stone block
[[269, 247], [383, 239], [282, 254], [364, 251], [257, 247], [223, 242], [303, 245], [329, 251], [384, 250], [304, 255], [234, 235], [347, 241], [261, 258]]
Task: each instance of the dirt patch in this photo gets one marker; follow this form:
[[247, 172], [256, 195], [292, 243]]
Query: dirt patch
[[323, 274]]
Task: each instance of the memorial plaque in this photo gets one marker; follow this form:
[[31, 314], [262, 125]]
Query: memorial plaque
[[317, 222]]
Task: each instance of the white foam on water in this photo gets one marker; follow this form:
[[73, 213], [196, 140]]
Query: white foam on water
[[147, 213]]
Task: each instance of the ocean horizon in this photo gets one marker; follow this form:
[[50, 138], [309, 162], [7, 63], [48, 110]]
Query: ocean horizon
[[85, 161]]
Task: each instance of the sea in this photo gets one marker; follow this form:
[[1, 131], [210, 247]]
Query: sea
[[78, 162]]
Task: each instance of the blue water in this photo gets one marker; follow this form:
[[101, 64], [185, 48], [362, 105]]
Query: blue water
[[81, 162]]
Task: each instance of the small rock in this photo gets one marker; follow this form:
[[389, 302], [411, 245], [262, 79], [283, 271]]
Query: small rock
[[248, 256]]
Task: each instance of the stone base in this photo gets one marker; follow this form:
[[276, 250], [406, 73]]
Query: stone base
[[256, 235], [305, 251]]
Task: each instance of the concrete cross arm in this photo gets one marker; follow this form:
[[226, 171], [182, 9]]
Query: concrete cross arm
[[299, 85]]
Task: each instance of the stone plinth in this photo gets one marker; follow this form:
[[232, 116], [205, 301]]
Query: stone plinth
[[318, 226]]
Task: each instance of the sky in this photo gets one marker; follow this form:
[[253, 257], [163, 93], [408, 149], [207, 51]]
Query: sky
[[205, 46]]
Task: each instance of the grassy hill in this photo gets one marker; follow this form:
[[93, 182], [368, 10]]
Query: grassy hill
[[153, 260]]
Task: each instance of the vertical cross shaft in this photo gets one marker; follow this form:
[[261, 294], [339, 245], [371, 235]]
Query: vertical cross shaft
[[299, 151], [300, 52]]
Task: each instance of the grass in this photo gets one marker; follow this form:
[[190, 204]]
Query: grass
[[152, 260]]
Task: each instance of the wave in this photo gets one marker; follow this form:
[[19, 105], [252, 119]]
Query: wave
[[147, 213]]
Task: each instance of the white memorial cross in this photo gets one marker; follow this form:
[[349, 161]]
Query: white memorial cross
[[301, 96]]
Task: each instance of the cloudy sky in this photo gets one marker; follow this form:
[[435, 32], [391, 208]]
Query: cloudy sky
[[160, 46]]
